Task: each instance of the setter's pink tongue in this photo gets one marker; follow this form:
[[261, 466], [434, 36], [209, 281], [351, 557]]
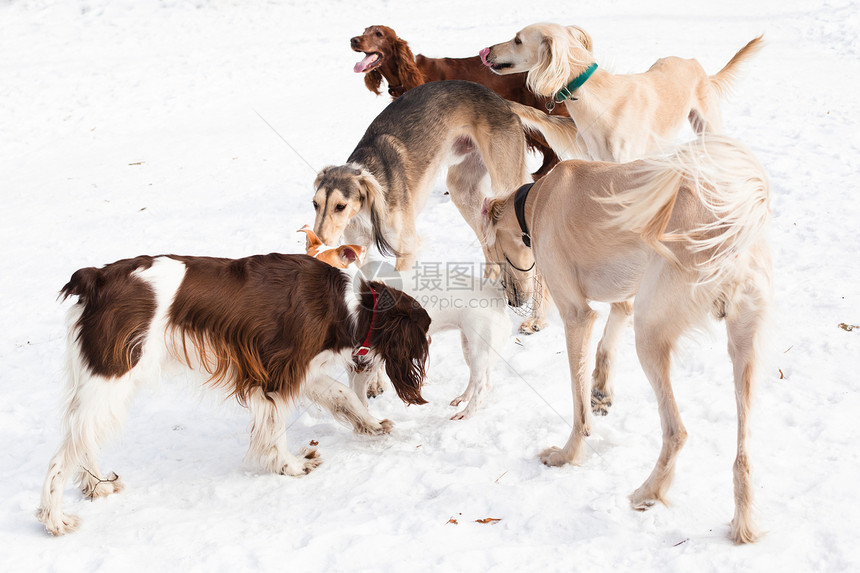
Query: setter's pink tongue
[[368, 61]]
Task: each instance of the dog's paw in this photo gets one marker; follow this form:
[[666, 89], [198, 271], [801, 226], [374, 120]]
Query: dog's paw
[[643, 499], [58, 525], [93, 488], [554, 457], [387, 426], [464, 397], [532, 324], [600, 402], [375, 388], [465, 412], [743, 530], [309, 459]]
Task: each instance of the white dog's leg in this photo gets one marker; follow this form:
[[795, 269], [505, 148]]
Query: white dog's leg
[[601, 386], [344, 405], [469, 395], [480, 354], [268, 437]]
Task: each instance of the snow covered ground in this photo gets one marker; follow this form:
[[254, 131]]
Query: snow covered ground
[[135, 127]]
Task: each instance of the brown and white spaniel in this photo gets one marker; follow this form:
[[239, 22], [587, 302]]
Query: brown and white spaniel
[[261, 328]]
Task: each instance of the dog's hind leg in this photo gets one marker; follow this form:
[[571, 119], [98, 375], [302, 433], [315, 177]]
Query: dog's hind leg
[[468, 184], [503, 150], [601, 384], [661, 314], [96, 409], [745, 327], [268, 437], [344, 405]]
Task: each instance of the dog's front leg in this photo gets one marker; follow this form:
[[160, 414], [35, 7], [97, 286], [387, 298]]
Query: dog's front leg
[[577, 328], [268, 438], [344, 405]]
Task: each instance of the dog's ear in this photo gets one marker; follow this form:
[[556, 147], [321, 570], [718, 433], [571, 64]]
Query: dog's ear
[[552, 70], [373, 196], [321, 175], [407, 70], [491, 212], [313, 242], [373, 79], [582, 37], [350, 254]]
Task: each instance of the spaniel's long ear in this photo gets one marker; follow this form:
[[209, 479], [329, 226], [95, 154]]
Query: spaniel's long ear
[[400, 338], [552, 70], [373, 79], [410, 75]]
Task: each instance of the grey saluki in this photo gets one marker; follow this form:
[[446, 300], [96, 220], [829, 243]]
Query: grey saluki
[[378, 194]]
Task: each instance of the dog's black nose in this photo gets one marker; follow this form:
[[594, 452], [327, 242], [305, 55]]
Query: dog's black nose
[[354, 42]]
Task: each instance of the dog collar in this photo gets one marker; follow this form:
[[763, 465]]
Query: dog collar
[[520, 209], [567, 91], [365, 346]]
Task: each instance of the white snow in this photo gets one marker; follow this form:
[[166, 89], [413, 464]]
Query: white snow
[[131, 127]]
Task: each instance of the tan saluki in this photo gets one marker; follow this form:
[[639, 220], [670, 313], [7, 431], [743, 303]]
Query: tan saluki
[[683, 234]]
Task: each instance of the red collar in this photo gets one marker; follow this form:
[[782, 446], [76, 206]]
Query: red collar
[[365, 346]]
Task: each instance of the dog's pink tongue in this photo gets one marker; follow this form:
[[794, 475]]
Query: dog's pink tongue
[[484, 53], [365, 63]]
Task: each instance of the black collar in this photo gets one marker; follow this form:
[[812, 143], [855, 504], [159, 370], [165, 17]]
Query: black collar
[[520, 208]]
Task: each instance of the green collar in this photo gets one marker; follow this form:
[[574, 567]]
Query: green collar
[[567, 91]]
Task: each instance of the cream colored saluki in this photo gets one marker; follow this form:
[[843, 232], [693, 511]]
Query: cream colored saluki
[[683, 234], [613, 117]]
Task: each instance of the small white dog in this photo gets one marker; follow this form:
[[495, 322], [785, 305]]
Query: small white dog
[[471, 304], [475, 308]]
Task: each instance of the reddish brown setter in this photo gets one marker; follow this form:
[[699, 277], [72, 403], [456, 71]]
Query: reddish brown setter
[[389, 57]]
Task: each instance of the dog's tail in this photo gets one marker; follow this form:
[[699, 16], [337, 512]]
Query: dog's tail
[[559, 131], [723, 80], [84, 284], [729, 183]]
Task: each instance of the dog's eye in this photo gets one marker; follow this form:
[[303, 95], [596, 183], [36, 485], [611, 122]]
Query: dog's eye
[[340, 207], [378, 34], [517, 40], [316, 206]]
